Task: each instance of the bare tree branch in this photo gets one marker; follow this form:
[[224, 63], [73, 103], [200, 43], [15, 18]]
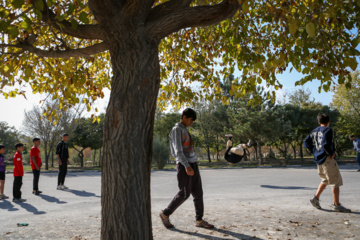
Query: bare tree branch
[[81, 52], [167, 21], [85, 31], [111, 7]]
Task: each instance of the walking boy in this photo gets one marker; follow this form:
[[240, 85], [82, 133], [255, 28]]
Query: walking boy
[[2, 173], [188, 175], [35, 162], [356, 142], [18, 173], [62, 153], [320, 143]]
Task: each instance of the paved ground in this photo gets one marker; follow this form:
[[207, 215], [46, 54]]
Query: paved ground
[[243, 204]]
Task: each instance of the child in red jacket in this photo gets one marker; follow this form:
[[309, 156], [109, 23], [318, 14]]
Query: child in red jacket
[[18, 173]]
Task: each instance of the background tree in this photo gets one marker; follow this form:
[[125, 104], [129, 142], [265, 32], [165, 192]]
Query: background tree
[[8, 137], [164, 122], [88, 133], [262, 39], [161, 152]]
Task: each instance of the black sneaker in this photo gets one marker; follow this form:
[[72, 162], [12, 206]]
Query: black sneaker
[[36, 192], [358, 170]]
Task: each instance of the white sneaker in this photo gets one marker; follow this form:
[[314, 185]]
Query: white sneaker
[[59, 187], [64, 187]]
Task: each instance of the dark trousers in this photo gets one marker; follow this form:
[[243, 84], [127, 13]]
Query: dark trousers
[[36, 179], [62, 173], [17, 186], [188, 185], [358, 158]]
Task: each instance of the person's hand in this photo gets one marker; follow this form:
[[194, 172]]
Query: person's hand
[[189, 171], [60, 163], [38, 168]]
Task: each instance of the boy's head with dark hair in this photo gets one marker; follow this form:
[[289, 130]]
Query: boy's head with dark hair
[[36, 139], [189, 113], [323, 118], [352, 137], [188, 117], [65, 137], [19, 146], [2, 149], [36, 142]]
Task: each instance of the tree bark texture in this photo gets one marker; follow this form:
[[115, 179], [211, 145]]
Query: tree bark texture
[[261, 160], [128, 132]]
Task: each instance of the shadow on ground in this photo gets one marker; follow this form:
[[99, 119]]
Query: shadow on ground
[[51, 199], [82, 193], [7, 205], [30, 208], [287, 187], [209, 236]]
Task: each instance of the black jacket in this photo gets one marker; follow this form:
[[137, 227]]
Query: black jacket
[[62, 150]]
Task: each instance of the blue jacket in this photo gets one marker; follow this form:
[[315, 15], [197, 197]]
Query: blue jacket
[[356, 143], [2, 163], [320, 143]]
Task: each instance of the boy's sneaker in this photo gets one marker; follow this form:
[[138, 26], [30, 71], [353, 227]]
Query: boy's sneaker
[[59, 187], [203, 224], [340, 208], [64, 187], [315, 202], [19, 200], [36, 192], [3, 196], [165, 220]]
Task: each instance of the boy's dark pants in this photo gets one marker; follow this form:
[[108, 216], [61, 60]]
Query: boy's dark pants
[[17, 186], [36, 179], [188, 185], [62, 172]]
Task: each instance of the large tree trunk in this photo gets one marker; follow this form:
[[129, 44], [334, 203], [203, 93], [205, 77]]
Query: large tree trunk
[[128, 134], [301, 151], [46, 155]]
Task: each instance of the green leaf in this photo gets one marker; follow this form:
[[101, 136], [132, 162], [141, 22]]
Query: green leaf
[[84, 17], [351, 62], [310, 29], [26, 25], [39, 5], [13, 32], [74, 24], [17, 3], [4, 25], [293, 28]]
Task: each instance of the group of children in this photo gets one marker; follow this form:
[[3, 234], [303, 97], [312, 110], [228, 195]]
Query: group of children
[[36, 164]]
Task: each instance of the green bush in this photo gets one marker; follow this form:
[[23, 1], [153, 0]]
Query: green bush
[[161, 153]]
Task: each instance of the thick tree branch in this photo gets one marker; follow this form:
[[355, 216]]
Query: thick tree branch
[[84, 31], [110, 7], [166, 8], [173, 20], [81, 52]]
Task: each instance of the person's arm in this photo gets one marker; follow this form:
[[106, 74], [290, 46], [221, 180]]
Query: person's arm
[[58, 149], [308, 143], [328, 143], [177, 145]]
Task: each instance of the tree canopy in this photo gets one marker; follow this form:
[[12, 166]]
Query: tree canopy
[[317, 38]]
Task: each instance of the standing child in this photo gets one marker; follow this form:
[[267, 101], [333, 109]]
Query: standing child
[[18, 173], [62, 153], [35, 162], [188, 175], [320, 143], [2, 173]]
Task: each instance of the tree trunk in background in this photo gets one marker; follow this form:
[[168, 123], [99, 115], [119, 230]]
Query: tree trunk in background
[[52, 158], [46, 155], [208, 153], [261, 160], [301, 152], [128, 135]]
